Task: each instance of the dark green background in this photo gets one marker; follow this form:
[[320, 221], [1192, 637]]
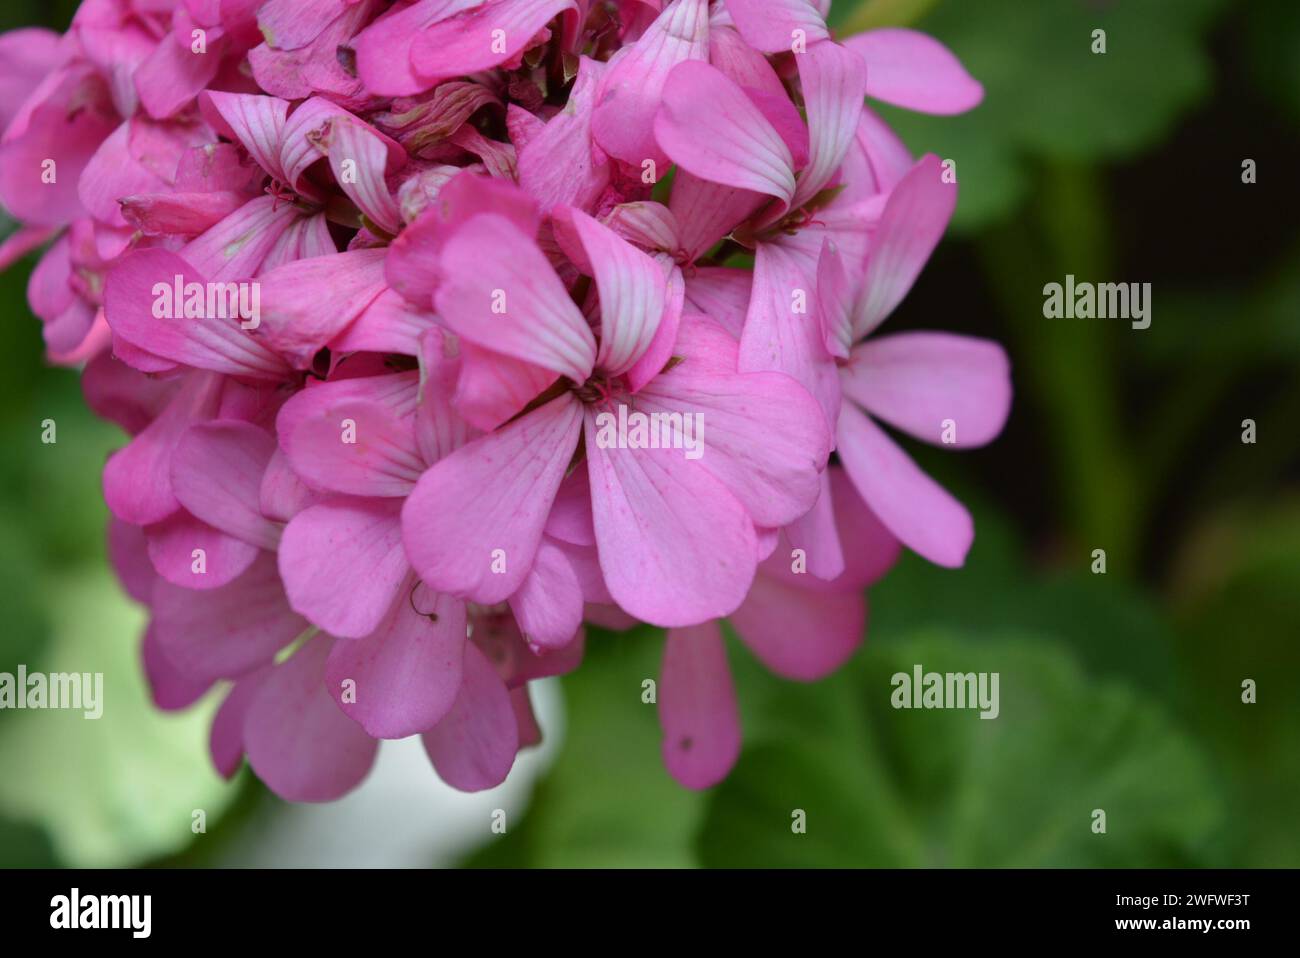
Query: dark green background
[[1119, 691]]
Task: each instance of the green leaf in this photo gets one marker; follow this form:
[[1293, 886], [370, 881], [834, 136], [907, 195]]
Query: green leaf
[[887, 787], [121, 788], [1047, 94]]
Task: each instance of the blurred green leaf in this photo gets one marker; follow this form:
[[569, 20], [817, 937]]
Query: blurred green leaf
[[1047, 94], [1237, 590], [121, 788], [886, 787]]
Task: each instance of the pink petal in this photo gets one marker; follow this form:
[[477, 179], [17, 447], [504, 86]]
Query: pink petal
[[709, 127], [406, 674], [54, 131], [919, 381], [697, 707], [661, 347], [298, 741], [490, 262], [834, 80], [676, 547], [354, 436], [912, 70], [631, 285], [131, 298], [173, 74], [293, 322], [343, 565], [771, 25], [560, 164], [137, 479], [256, 121], [764, 437], [120, 394], [474, 746], [915, 217], [174, 542], [237, 246], [800, 634], [128, 551], [290, 24], [782, 328], [282, 495], [485, 505], [439, 428], [217, 470], [169, 689], [834, 301], [225, 632], [493, 388], [383, 49], [722, 294], [708, 211], [548, 606], [389, 324], [466, 43], [178, 214], [912, 506], [226, 740], [630, 92], [355, 141], [816, 534]]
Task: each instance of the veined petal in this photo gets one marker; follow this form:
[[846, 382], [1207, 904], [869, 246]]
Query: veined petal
[[407, 673], [709, 127], [473, 524], [217, 470], [761, 434], [915, 217], [912, 506], [632, 287], [343, 566], [298, 740], [474, 745], [560, 164], [774, 26], [468, 42], [834, 81], [499, 291], [913, 70], [676, 547], [255, 120], [630, 91], [307, 303], [140, 287], [354, 436], [548, 606], [782, 329], [188, 552], [924, 382]]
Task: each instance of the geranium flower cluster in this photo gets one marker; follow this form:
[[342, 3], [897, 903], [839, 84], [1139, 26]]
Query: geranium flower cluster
[[427, 325]]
